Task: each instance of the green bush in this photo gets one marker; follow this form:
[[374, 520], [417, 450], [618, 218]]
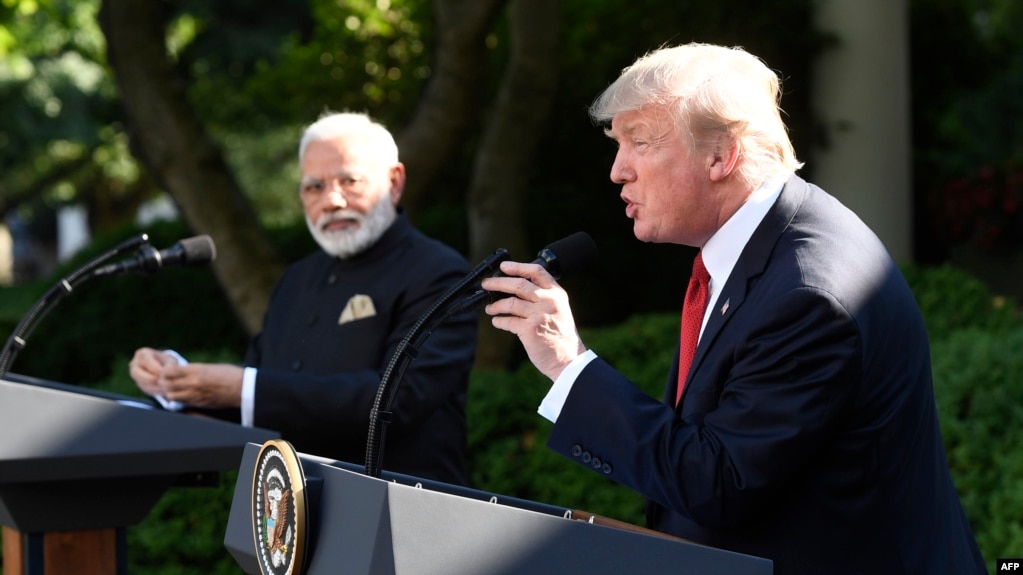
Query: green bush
[[978, 381], [184, 533], [507, 438], [82, 336], [951, 299], [85, 332]]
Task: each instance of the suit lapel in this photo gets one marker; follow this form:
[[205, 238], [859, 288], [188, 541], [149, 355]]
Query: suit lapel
[[751, 264]]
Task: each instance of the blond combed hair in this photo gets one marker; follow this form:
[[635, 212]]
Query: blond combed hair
[[710, 91]]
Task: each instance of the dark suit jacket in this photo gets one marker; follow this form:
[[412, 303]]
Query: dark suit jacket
[[808, 432], [317, 378]]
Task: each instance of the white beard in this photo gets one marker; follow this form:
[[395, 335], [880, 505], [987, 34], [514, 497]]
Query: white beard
[[358, 237]]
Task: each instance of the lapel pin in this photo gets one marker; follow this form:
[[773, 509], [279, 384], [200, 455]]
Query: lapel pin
[[724, 308]]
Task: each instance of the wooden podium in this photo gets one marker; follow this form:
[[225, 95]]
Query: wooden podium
[[400, 525], [77, 466]]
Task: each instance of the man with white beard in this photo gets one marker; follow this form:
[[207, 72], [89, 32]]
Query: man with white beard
[[336, 317]]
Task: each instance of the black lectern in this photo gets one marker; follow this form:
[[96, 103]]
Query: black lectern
[[362, 525], [82, 465]]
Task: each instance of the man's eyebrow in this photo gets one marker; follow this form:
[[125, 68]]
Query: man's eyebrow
[[340, 174], [625, 130]]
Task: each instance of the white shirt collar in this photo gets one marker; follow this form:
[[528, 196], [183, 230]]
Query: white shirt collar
[[722, 250]]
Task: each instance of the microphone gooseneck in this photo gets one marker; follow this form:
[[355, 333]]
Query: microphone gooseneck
[[570, 254], [194, 251], [408, 348]]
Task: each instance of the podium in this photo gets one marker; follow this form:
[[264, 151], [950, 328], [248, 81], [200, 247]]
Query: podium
[[401, 525], [77, 466]]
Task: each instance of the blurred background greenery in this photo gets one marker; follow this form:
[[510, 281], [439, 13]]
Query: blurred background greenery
[[110, 106]]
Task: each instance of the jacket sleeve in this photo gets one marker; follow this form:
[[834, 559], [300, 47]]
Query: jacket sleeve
[[774, 393]]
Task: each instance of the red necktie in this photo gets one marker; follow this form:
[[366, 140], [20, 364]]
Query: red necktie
[[692, 320]]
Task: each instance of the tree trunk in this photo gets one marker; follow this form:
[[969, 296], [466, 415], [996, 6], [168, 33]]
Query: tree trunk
[[501, 172], [451, 100], [171, 141]]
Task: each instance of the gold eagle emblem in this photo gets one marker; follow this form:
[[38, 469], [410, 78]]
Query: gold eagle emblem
[[276, 512]]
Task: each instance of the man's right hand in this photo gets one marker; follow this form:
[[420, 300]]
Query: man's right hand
[[145, 368]]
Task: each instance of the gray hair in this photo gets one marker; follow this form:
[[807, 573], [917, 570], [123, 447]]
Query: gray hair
[[332, 125], [710, 91]]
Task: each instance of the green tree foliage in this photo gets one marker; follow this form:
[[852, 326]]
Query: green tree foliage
[[258, 76], [255, 76], [58, 131], [354, 55]]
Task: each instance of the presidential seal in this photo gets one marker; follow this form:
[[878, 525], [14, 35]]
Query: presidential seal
[[279, 509]]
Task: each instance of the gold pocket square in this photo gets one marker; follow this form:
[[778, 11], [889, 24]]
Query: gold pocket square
[[358, 307]]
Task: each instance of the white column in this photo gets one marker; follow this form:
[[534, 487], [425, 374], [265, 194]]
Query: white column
[[72, 230], [6, 256], [862, 94]]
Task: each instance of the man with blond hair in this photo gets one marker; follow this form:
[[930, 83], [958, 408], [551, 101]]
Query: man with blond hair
[[799, 420]]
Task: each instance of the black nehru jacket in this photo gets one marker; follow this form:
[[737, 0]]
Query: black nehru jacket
[[330, 330]]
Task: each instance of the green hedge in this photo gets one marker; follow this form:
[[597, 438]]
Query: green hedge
[[978, 369], [507, 437], [86, 331], [979, 388]]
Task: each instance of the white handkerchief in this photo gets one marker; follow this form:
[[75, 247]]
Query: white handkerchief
[[358, 307]]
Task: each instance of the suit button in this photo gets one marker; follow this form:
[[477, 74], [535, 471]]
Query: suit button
[[312, 320], [332, 279], [587, 457], [597, 463], [577, 450], [296, 365], [607, 469]]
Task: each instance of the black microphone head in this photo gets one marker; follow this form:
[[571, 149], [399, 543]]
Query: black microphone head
[[569, 255], [195, 251]]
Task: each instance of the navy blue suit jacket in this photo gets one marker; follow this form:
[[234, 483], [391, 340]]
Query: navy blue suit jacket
[[807, 433]]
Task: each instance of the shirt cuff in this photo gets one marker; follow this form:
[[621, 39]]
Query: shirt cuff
[[248, 395], [551, 405]]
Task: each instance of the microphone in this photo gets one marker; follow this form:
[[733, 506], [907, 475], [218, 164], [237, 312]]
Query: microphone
[[571, 254], [194, 251]]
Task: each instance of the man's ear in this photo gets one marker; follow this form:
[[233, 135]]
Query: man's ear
[[723, 159], [397, 177]]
